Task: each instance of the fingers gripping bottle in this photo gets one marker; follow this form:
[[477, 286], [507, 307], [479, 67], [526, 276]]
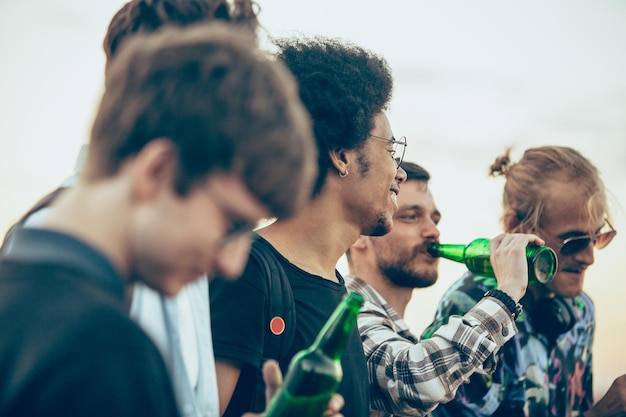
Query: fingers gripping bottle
[[542, 261], [315, 373]]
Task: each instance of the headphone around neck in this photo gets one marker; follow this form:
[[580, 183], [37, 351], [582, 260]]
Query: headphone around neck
[[554, 316]]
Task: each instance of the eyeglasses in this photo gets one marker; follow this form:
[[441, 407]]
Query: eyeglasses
[[399, 147], [238, 225], [575, 244]]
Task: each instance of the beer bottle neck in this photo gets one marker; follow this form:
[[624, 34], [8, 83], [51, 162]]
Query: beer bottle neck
[[449, 251], [334, 335]]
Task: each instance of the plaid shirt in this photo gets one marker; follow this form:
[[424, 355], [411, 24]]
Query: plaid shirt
[[409, 377]]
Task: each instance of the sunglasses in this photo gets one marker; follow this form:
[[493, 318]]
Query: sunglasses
[[575, 244]]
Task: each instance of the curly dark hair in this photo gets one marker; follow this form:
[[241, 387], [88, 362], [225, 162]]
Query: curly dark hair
[[139, 16], [343, 86]]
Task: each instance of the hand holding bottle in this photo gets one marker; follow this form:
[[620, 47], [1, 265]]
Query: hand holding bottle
[[509, 262], [541, 261], [315, 372], [274, 379]]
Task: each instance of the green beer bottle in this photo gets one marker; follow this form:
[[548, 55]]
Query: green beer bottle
[[542, 261], [315, 373]]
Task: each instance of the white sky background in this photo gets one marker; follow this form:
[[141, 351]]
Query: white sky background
[[472, 77]]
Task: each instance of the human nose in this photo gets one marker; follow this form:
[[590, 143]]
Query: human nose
[[400, 175], [586, 256], [230, 260], [431, 231]]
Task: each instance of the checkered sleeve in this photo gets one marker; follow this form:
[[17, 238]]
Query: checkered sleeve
[[411, 378]]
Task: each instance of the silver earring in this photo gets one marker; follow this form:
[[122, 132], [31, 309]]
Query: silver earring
[[345, 174]]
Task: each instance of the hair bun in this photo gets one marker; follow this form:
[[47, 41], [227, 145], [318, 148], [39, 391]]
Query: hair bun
[[502, 164]]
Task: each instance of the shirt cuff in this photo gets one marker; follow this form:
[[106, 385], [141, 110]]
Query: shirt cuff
[[491, 314]]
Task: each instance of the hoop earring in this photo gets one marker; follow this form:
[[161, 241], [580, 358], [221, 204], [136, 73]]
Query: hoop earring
[[343, 175]]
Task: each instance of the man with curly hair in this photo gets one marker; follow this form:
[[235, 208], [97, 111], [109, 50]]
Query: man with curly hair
[[346, 90]]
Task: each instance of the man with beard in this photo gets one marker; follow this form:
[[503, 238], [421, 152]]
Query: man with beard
[[408, 376], [547, 369]]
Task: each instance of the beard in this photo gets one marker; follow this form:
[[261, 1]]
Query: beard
[[381, 226], [402, 273]]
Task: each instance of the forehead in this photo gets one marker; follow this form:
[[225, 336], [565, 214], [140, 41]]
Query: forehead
[[415, 193], [382, 127], [569, 207]]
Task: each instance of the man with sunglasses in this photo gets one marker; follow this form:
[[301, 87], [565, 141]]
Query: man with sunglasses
[[546, 370]]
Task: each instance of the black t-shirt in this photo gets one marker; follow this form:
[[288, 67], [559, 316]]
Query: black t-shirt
[[67, 347], [239, 317]]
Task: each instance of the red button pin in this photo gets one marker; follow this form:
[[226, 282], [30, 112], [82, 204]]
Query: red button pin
[[277, 325]]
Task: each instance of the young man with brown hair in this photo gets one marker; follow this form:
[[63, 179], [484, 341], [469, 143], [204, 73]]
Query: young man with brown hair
[[196, 138]]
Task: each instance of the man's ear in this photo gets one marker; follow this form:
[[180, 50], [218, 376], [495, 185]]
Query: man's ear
[[340, 160], [361, 243], [154, 168]]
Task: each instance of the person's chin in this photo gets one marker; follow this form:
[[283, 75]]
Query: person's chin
[[170, 288], [381, 228], [172, 285], [429, 278], [571, 283]]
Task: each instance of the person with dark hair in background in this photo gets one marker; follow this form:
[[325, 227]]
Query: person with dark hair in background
[[346, 90], [546, 369], [408, 376], [197, 137], [146, 16]]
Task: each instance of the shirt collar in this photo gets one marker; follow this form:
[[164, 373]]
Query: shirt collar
[[42, 246]]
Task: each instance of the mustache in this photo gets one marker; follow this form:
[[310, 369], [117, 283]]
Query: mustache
[[575, 267], [423, 248]]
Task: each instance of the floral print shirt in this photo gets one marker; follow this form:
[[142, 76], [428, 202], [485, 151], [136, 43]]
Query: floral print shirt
[[535, 376]]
